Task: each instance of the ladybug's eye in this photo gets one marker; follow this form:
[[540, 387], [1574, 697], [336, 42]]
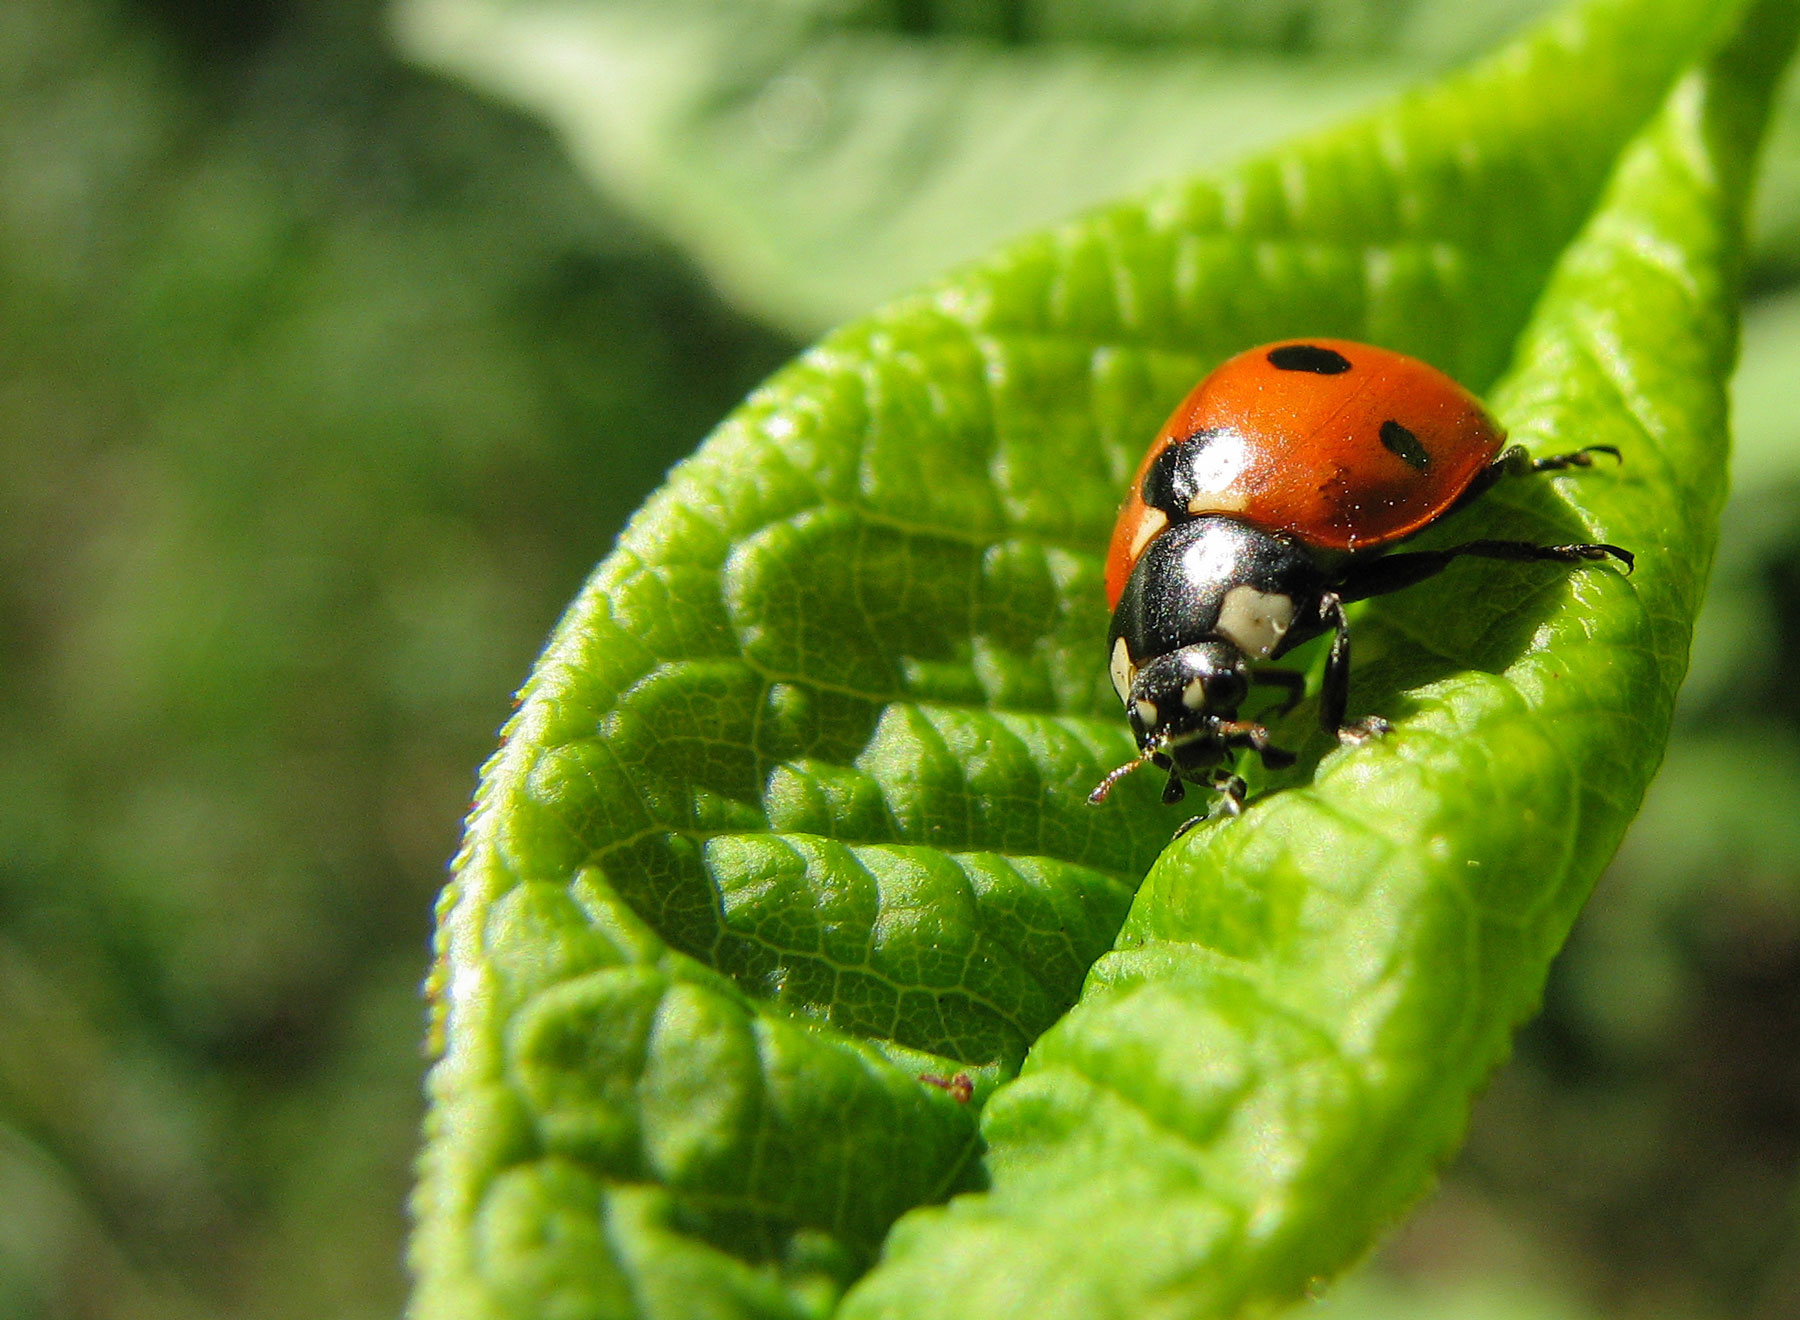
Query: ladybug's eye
[[1226, 691], [1221, 691]]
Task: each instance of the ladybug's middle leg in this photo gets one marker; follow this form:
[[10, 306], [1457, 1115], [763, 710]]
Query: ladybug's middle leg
[[1334, 692]]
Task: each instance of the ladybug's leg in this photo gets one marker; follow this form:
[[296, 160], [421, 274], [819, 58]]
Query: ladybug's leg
[[1577, 458], [1515, 462], [1334, 693], [1295, 684], [1377, 577], [1242, 733], [1231, 790]]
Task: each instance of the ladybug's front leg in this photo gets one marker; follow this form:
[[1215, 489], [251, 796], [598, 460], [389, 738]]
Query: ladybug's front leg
[[1242, 733], [1334, 694], [1231, 790]]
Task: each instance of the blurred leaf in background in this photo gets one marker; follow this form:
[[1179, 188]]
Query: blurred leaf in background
[[820, 156], [324, 383]]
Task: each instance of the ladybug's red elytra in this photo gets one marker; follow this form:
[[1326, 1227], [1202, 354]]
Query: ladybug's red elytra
[[1267, 503]]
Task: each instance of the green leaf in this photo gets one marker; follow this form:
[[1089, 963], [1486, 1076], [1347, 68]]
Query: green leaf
[[1343, 967], [817, 159], [792, 812]]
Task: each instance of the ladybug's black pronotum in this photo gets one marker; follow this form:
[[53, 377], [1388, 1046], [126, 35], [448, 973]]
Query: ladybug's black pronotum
[[1266, 504]]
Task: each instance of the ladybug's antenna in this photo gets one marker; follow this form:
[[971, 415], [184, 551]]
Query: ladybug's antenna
[[1114, 775]]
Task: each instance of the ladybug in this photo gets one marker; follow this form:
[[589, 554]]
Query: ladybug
[[1266, 504]]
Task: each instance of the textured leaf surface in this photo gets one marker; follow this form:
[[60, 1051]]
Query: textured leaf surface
[[1283, 1045], [793, 809], [818, 157]]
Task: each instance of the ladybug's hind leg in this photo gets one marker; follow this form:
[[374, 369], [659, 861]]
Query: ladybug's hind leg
[[1378, 577], [1515, 462]]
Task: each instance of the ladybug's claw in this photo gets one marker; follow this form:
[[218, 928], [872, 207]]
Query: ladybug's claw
[[960, 1088], [1231, 789], [1592, 552], [1625, 557], [1369, 726]]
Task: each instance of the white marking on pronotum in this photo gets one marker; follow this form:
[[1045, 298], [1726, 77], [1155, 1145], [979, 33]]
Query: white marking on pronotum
[[1193, 696], [1255, 621], [1146, 713], [1123, 671]]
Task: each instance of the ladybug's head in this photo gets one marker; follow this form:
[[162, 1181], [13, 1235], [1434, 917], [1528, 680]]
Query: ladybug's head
[[1177, 703], [1178, 699]]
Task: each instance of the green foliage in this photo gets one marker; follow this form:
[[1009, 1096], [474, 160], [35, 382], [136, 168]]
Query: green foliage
[[303, 356], [791, 813], [324, 383], [1350, 962], [817, 157], [820, 156]]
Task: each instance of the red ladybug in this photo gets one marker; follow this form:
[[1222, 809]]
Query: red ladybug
[[1264, 506]]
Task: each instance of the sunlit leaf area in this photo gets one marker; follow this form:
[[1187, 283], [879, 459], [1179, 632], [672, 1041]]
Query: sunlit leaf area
[[339, 340]]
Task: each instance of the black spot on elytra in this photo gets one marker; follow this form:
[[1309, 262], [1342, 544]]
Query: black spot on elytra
[[1404, 445], [1309, 357]]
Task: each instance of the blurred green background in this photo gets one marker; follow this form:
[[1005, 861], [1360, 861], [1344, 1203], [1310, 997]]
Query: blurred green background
[[324, 379]]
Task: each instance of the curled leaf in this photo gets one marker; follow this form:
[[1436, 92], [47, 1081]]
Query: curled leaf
[[792, 815]]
